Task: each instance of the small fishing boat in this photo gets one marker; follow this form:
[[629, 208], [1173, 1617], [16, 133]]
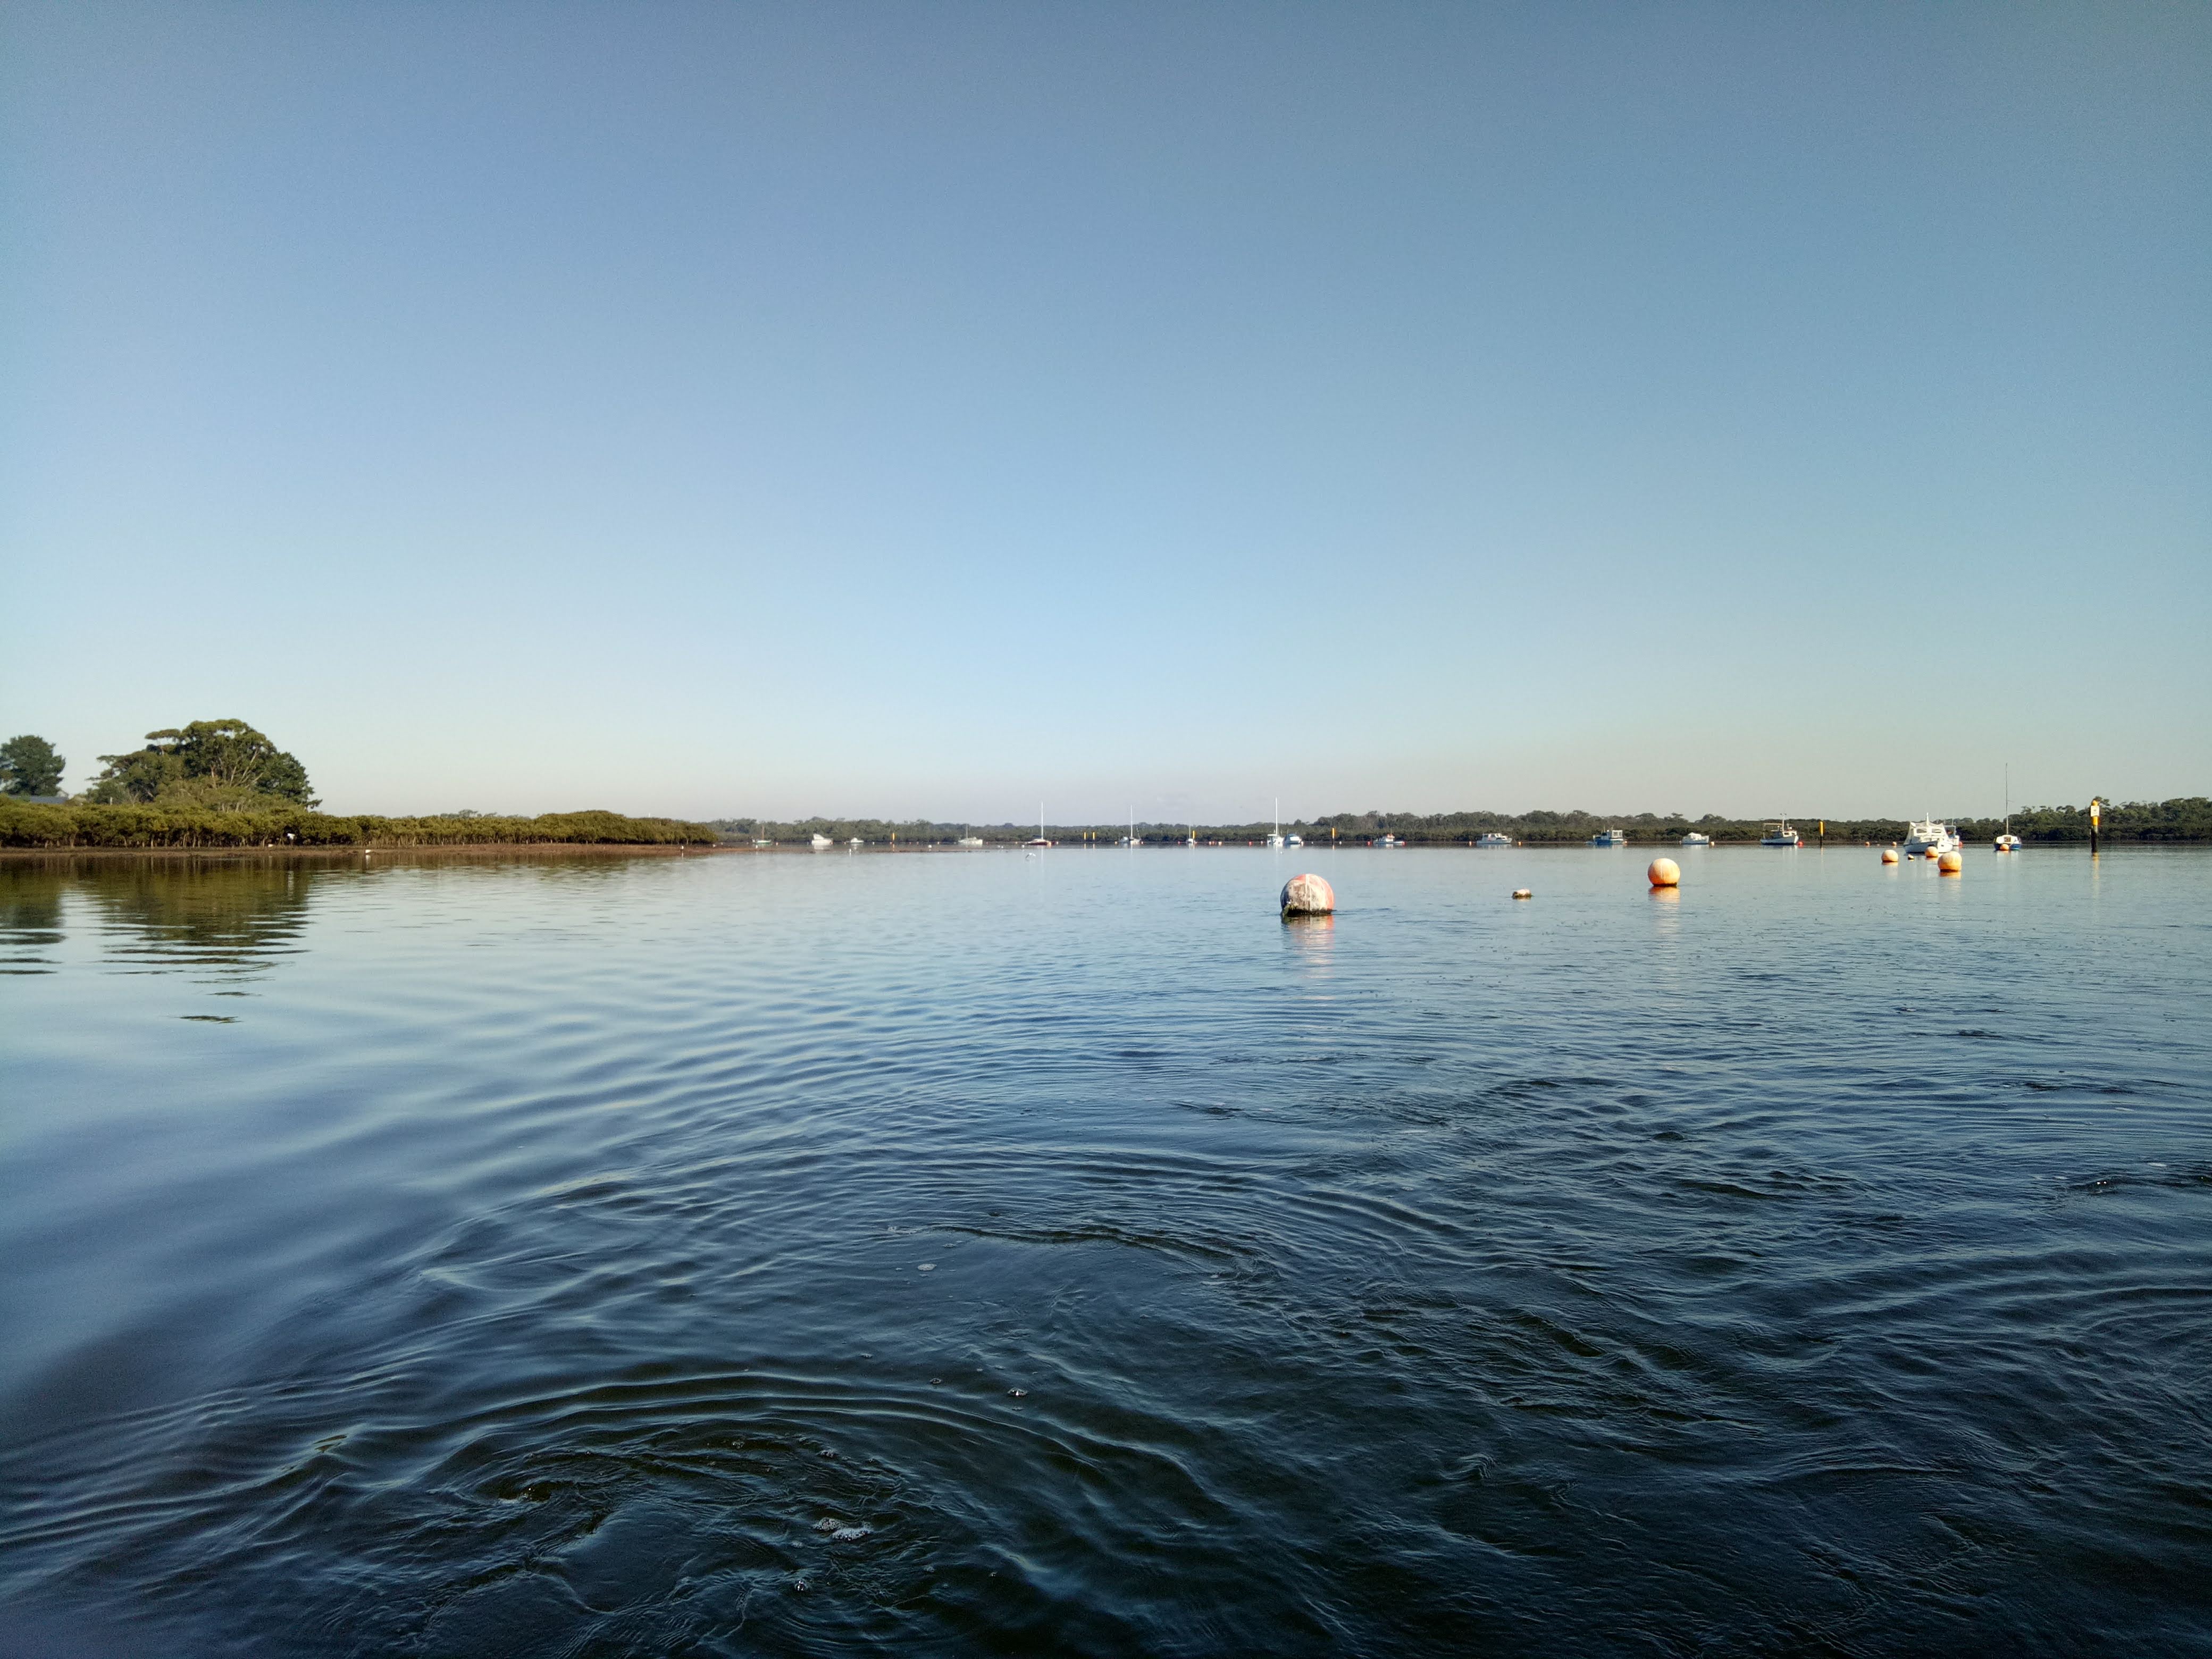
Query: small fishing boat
[[1929, 839], [1294, 841], [1493, 839], [1387, 840], [821, 843], [1609, 838], [1779, 834], [1697, 838]]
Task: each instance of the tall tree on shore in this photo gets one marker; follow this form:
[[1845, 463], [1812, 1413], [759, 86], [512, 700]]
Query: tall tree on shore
[[210, 763], [29, 766]]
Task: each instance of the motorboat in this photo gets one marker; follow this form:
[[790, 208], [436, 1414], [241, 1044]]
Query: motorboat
[[1779, 834], [2009, 842], [821, 843], [1294, 841], [1493, 839], [1697, 838], [1609, 838], [1929, 839], [1387, 840]]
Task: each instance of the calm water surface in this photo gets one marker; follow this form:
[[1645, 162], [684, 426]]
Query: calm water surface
[[953, 1254]]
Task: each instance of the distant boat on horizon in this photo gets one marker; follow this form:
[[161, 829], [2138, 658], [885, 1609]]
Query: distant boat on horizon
[[822, 843], [1493, 838], [1779, 834], [1697, 838], [1609, 838]]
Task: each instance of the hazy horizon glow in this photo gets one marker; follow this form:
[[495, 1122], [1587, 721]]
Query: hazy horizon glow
[[726, 410]]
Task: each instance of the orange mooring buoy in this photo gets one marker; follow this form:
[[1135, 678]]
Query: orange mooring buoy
[[1665, 873], [1308, 895], [1950, 864], [1889, 855]]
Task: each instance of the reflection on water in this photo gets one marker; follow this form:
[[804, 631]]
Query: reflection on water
[[232, 917], [1310, 940], [943, 1255], [30, 916]]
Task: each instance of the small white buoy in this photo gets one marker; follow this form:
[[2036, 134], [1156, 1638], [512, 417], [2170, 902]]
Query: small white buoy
[[1665, 873], [1308, 895], [1522, 892]]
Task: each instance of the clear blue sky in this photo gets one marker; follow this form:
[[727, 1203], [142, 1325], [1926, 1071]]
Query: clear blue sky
[[924, 409]]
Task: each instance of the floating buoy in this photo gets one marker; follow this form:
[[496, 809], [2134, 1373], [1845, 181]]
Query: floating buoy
[[1665, 873], [1522, 892], [1950, 864], [1889, 855], [1308, 895]]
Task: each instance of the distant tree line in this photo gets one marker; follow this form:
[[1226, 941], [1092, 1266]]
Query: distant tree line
[[2185, 819], [220, 783], [84, 824]]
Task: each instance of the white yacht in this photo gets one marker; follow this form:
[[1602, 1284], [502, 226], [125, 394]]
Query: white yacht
[[1697, 838], [1294, 841], [1493, 839], [1929, 839], [1779, 834], [821, 843], [1387, 840], [1275, 834]]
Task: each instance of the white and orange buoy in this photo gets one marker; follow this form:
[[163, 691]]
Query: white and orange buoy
[[1950, 864], [1308, 895], [1665, 873], [1889, 855]]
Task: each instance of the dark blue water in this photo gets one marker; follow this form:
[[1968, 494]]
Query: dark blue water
[[951, 1254]]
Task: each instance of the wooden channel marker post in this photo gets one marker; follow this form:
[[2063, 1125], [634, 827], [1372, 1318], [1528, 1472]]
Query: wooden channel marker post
[[2096, 816]]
